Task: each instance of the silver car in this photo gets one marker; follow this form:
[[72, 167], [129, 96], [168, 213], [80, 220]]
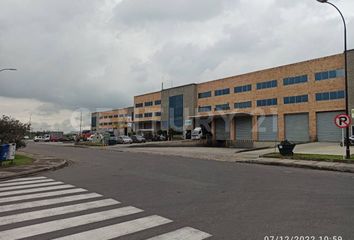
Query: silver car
[[124, 140]]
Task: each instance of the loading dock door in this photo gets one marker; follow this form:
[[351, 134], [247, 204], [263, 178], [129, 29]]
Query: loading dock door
[[297, 127], [243, 128], [268, 128], [327, 131], [220, 131]]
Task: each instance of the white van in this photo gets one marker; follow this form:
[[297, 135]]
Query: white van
[[197, 133]]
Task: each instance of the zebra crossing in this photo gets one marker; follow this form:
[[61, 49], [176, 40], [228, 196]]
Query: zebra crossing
[[34, 207]]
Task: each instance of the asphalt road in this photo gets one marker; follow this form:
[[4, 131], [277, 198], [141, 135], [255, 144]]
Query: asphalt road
[[230, 201]]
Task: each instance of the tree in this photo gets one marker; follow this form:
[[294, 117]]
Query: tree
[[13, 131]]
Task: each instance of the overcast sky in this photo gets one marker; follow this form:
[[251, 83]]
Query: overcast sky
[[79, 55]]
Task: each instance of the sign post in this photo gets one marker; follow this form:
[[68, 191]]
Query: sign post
[[344, 121]]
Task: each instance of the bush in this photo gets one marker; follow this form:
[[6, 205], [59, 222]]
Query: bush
[[13, 131]]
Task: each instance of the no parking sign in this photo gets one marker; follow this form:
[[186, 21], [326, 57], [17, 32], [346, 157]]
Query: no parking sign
[[343, 121]]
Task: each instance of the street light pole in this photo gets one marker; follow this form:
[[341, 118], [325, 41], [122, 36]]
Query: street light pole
[[347, 151], [8, 69]]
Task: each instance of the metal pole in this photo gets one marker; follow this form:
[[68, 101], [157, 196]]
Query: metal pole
[[347, 151]]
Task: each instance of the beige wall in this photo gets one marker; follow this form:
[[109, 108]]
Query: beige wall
[[154, 108], [279, 73]]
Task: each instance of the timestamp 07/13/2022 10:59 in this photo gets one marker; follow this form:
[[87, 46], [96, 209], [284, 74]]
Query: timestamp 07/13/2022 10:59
[[309, 237]]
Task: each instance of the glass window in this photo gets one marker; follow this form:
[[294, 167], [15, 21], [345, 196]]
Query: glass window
[[222, 92], [204, 109], [147, 115], [341, 94], [318, 76], [147, 104], [157, 114], [221, 107], [138, 105], [332, 74], [333, 95], [158, 102], [268, 84], [324, 75], [204, 94], [176, 112]]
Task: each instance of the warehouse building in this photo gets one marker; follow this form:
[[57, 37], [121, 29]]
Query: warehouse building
[[119, 121], [297, 102]]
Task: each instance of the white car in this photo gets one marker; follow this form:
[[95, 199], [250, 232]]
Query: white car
[[38, 139], [124, 140]]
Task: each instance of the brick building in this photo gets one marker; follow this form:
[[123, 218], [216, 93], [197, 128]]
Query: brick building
[[297, 102]]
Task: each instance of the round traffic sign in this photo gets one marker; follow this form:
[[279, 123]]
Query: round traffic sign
[[343, 121]]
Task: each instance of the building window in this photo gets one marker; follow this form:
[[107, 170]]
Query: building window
[[176, 112], [139, 105], [204, 109], [268, 84], [326, 96], [222, 107], [240, 105], [157, 114], [329, 74], [245, 88], [267, 102], [140, 115], [221, 92], [295, 80], [115, 116], [296, 99], [158, 102], [147, 115], [148, 104], [204, 94]]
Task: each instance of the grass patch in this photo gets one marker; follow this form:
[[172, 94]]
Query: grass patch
[[18, 161], [311, 157]]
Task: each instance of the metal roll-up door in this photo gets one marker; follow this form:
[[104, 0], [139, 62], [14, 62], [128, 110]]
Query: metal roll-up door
[[327, 131], [220, 132], [297, 127], [268, 128], [243, 128]]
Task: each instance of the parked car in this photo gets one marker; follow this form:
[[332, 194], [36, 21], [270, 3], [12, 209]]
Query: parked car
[[138, 139], [351, 141], [38, 139], [46, 138], [197, 133], [125, 140]]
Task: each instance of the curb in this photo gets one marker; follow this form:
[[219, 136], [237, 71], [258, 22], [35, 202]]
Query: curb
[[308, 165], [60, 165]]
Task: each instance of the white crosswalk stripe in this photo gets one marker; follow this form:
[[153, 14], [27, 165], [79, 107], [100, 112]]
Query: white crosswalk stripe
[[24, 179], [27, 182], [29, 186], [119, 229], [56, 211], [74, 201], [41, 195], [182, 234], [33, 190], [47, 202]]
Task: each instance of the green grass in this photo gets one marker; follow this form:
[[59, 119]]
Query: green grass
[[312, 157], [18, 161]]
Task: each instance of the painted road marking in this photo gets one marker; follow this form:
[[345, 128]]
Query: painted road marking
[[33, 190], [40, 195], [119, 229], [182, 234], [36, 229], [47, 202], [23, 179], [56, 211], [23, 183], [30, 186]]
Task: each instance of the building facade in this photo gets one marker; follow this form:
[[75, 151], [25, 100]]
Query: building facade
[[297, 102], [120, 121]]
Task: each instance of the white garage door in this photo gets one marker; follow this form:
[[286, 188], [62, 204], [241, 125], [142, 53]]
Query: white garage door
[[297, 127], [243, 128], [327, 131], [268, 128]]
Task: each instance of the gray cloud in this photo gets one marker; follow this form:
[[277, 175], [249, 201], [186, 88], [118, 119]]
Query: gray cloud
[[98, 54]]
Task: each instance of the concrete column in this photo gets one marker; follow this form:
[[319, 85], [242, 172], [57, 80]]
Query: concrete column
[[213, 129], [281, 127], [232, 128], [313, 126], [254, 128]]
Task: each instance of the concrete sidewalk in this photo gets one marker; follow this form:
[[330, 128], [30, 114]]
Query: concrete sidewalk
[[40, 164]]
